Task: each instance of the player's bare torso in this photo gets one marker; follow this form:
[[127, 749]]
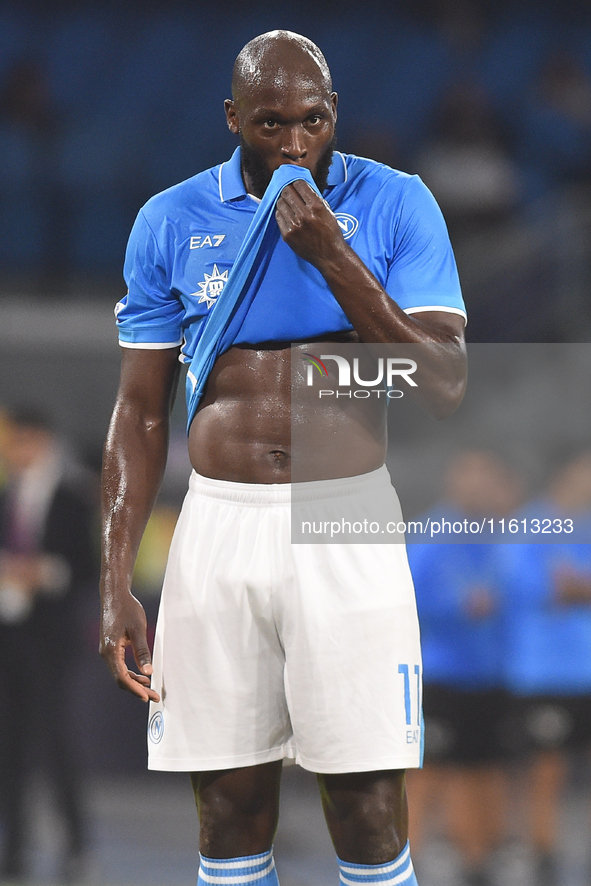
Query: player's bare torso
[[243, 429]]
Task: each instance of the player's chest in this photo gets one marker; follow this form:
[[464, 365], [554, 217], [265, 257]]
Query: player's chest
[[205, 250], [203, 256]]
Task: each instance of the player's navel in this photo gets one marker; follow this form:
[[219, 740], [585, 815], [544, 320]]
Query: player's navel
[[279, 457]]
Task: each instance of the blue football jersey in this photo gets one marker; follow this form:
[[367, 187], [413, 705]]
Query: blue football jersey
[[185, 240]]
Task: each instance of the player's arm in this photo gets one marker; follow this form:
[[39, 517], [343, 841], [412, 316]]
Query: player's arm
[[133, 464], [312, 231]]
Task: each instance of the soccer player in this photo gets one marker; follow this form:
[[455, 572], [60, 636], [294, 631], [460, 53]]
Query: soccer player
[[264, 649]]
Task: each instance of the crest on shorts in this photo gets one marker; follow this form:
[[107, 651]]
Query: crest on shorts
[[156, 727], [212, 286]]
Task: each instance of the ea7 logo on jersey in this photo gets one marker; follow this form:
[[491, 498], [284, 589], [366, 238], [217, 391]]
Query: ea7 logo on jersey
[[212, 286], [347, 223], [198, 241]]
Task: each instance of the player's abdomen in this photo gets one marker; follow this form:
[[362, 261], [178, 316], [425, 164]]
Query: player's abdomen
[[250, 429]]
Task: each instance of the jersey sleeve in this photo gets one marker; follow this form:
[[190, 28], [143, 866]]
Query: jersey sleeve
[[150, 315], [422, 275]]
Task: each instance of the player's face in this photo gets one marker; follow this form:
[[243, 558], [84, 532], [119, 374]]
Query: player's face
[[283, 123]]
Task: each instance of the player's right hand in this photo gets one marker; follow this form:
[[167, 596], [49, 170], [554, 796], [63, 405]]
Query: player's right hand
[[123, 624]]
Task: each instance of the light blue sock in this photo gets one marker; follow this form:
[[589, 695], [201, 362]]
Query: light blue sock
[[247, 870], [394, 873]]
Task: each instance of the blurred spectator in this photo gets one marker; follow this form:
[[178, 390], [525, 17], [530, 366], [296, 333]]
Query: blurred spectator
[[466, 163], [549, 653], [555, 126], [378, 143], [463, 24], [29, 136], [461, 606], [47, 563]]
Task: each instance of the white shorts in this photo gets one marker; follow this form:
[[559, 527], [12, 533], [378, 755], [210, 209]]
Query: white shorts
[[266, 649]]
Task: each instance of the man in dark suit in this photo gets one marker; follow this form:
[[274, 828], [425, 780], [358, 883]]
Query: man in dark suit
[[46, 562]]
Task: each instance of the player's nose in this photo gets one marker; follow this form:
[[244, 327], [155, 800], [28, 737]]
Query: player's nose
[[294, 148]]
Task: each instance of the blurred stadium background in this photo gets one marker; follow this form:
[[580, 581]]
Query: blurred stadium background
[[104, 103]]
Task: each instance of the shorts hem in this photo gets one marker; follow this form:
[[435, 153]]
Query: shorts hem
[[377, 765], [196, 764]]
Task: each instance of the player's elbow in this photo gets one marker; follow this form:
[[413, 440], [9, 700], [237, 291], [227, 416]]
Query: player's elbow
[[448, 395]]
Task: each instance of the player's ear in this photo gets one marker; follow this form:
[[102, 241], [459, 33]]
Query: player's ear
[[231, 116], [334, 100]]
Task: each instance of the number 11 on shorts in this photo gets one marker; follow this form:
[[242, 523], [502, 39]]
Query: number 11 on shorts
[[404, 669]]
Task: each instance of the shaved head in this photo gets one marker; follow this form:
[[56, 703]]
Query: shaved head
[[274, 59]]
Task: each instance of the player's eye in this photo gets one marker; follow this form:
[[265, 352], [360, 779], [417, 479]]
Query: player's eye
[[270, 123], [314, 119]]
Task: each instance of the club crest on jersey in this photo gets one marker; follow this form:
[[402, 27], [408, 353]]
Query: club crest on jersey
[[347, 223], [212, 286]]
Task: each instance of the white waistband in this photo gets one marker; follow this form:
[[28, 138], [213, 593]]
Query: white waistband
[[286, 493]]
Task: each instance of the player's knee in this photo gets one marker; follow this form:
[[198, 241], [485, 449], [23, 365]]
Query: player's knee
[[245, 800], [371, 816], [223, 809], [236, 827], [242, 809], [367, 815], [253, 806]]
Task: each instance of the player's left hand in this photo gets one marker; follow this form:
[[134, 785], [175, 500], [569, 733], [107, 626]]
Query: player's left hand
[[307, 224]]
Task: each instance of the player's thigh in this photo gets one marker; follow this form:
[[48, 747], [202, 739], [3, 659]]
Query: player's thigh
[[353, 667]]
